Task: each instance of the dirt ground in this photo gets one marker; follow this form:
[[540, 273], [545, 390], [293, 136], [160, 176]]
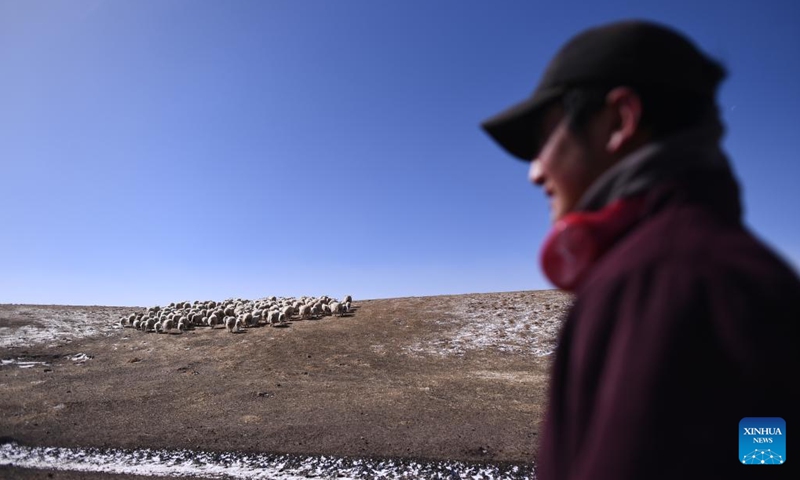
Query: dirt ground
[[459, 377]]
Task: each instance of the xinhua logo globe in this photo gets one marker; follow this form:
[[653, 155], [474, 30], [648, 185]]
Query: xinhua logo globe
[[762, 457]]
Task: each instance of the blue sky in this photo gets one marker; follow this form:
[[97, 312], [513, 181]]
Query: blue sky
[[157, 151]]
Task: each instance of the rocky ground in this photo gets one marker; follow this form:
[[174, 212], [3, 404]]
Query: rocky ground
[[456, 378]]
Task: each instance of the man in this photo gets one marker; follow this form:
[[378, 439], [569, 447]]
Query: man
[[683, 322]]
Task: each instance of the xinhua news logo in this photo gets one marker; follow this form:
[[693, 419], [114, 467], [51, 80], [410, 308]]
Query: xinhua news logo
[[762, 441]]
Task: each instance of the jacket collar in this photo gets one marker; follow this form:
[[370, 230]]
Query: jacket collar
[[689, 163]]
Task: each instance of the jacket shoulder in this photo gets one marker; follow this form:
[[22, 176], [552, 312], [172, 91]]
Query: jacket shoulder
[[697, 243]]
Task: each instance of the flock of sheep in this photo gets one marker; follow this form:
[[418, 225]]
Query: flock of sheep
[[234, 314]]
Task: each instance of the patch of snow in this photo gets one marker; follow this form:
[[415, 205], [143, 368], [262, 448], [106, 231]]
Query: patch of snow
[[51, 324], [520, 323], [186, 463], [22, 362], [80, 357]]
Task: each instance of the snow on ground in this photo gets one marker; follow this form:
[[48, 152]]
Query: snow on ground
[[518, 322], [229, 465], [25, 325]]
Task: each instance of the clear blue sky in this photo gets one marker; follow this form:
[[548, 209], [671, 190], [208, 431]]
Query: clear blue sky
[[163, 150]]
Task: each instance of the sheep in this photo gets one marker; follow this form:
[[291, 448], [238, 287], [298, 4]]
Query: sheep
[[273, 317], [167, 325], [245, 313], [148, 325], [231, 323], [235, 324], [197, 318]]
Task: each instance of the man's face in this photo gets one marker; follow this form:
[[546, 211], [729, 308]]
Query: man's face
[[567, 163]]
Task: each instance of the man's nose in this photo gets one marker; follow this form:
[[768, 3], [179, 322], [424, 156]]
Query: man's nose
[[535, 174]]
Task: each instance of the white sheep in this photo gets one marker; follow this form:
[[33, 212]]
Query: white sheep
[[167, 325], [273, 317], [246, 313], [148, 325], [231, 323]]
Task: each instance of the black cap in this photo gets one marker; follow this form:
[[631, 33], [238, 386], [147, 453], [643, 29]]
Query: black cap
[[631, 53]]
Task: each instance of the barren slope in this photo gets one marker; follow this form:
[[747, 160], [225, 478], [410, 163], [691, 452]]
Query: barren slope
[[458, 377]]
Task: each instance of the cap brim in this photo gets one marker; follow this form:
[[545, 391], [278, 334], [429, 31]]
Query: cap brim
[[516, 129]]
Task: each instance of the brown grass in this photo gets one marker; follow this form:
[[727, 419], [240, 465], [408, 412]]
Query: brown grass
[[458, 377]]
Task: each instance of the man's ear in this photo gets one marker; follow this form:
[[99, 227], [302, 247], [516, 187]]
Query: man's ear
[[627, 107]]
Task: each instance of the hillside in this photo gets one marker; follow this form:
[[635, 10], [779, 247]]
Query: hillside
[[460, 377]]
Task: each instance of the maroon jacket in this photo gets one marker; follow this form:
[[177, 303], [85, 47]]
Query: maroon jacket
[[687, 325]]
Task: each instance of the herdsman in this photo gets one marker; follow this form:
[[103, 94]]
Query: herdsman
[[684, 323]]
